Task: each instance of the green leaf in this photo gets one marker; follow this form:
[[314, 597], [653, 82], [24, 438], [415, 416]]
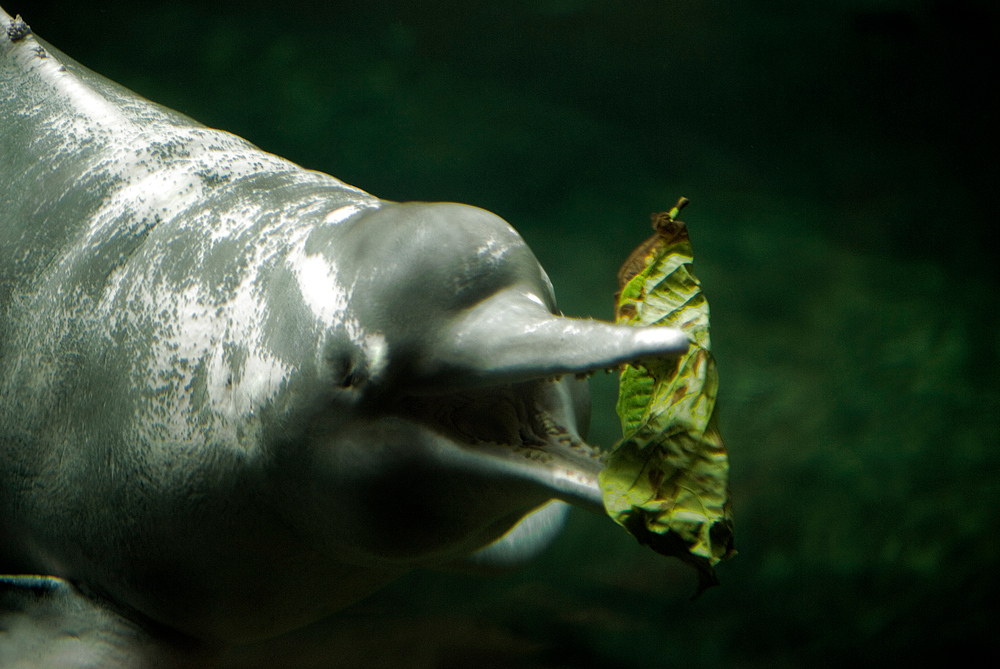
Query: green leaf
[[666, 482]]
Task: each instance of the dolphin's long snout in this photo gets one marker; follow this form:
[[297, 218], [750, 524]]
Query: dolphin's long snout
[[511, 338]]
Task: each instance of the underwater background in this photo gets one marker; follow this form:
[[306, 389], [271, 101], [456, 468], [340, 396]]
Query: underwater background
[[842, 165]]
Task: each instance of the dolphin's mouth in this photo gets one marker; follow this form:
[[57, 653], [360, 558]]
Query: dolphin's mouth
[[528, 430], [500, 382]]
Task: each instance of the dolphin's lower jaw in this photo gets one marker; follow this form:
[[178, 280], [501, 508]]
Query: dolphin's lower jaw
[[526, 431]]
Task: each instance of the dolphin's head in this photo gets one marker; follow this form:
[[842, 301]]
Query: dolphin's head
[[455, 398]]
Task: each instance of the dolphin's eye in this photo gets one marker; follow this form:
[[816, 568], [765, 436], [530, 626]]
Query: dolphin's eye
[[345, 372], [339, 368]]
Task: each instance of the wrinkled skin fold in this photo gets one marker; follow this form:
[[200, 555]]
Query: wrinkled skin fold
[[238, 395]]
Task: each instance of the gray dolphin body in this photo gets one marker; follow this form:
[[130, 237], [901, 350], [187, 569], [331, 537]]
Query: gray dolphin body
[[237, 395]]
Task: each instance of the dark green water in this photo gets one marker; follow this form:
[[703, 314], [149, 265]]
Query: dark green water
[[842, 167]]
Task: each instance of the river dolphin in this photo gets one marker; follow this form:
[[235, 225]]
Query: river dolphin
[[237, 395]]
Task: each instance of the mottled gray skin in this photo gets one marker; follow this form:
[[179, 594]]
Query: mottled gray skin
[[237, 395]]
